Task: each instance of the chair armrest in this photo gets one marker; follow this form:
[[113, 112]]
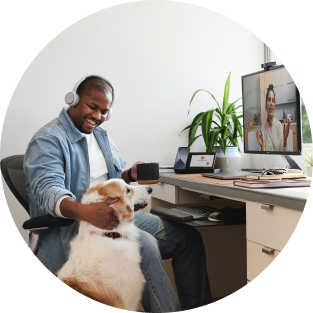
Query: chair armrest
[[47, 221]]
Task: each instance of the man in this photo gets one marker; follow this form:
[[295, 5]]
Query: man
[[70, 154]]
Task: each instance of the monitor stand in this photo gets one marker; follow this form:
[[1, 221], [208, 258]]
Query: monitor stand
[[291, 163]]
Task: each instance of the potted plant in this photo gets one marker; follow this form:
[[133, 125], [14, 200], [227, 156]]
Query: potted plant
[[220, 127], [308, 158], [257, 118]]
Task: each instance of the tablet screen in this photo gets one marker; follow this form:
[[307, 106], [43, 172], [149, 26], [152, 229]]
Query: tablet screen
[[202, 160]]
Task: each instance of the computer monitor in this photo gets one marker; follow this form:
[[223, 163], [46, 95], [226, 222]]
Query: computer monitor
[[271, 99]]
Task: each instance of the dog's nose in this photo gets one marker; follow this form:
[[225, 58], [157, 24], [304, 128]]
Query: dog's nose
[[150, 190]]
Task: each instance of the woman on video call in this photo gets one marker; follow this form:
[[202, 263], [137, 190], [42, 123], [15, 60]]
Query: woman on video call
[[273, 136]]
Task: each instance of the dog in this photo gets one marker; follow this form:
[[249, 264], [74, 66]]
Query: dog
[[104, 265]]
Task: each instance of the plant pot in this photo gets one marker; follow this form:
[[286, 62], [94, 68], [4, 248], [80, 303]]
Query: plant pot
[[228, 162], [309, 171]]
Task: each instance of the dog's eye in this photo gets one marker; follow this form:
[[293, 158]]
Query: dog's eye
[[127, 191]]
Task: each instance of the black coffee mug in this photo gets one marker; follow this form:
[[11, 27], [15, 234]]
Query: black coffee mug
[[148, 173]]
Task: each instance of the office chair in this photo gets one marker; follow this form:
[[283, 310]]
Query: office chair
[[14, 176]]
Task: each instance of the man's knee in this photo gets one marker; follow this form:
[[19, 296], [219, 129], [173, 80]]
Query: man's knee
[[190, 236], [149, 246]]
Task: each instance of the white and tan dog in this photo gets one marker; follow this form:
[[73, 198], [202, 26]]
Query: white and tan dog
[[103, 268]]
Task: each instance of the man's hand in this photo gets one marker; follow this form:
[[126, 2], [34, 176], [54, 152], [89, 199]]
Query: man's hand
[[100, 214], [134, 169]]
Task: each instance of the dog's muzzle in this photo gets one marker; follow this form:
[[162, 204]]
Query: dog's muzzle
[[140, 206]]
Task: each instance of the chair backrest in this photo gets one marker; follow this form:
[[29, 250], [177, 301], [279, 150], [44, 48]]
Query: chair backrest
[[14, 176]]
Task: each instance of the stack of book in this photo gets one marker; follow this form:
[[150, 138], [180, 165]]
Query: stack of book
[[275, 181], [166, 169], [277, 177]]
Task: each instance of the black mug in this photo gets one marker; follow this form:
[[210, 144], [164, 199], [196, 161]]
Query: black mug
[[148, 173]]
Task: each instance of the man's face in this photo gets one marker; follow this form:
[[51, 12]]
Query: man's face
[[91, 111]]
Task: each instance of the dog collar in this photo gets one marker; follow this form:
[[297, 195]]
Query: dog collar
[[112, 235]]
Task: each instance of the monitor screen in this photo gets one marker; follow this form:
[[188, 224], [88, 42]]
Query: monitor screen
[[271, 113]]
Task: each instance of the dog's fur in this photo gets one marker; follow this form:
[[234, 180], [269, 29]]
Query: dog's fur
[[104, 269]]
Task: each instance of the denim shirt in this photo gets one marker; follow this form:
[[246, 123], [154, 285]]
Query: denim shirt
[[56, 163]]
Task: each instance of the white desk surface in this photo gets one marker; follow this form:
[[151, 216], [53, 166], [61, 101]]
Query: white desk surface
[[292, 198]]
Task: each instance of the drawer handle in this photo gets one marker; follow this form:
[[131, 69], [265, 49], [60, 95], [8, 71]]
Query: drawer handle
[[267, 250], [267, 206]]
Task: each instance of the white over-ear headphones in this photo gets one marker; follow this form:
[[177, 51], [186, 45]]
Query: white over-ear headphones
[[72, 98]]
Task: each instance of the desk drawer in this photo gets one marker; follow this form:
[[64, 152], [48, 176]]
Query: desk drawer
[[165, 192], [257, 260], [272, 227]]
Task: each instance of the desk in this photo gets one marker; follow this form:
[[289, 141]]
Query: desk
[[236, 254]]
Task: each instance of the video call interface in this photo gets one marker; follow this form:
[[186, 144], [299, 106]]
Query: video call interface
[[270, 112], [201, 160]]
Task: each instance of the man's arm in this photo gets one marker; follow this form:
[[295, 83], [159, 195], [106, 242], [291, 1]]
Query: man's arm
[[44, 170]]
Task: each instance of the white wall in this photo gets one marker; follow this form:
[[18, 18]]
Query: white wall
[[156, 54]]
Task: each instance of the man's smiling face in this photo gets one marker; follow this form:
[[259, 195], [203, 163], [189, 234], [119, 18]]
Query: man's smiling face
[[91, 111]]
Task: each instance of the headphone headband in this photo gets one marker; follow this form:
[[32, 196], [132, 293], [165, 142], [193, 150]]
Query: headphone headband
[[72, 97]]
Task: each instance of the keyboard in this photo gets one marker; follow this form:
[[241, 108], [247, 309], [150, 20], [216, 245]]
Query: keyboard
[[191, 213], [198, 212]]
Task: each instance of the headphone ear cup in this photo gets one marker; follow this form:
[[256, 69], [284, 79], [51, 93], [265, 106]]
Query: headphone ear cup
[[109, 115], [72, 98]]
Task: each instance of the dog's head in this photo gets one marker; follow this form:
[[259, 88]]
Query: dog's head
[[130, 198]]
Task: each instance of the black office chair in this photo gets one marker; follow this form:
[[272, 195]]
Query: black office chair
[[14, 176]]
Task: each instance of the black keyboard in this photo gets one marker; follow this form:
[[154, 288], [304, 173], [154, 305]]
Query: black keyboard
[[191, 213], [197, 211]]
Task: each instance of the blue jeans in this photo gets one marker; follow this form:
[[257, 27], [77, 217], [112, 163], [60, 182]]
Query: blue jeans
[[184, 245]]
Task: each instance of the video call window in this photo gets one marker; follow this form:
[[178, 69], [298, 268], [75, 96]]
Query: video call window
[[270, 112]]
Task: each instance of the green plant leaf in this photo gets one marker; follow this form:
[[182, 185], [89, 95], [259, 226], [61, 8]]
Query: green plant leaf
[[197, 118], [194, 127], [223, 132], [193, 131], [224, 120], [186, 128], [216, 124], [307, 156], [194, 139], [223, 145], [239, 106], [218, 112], [240, 129], [226, 94], [218, 116], [196, 93], [236, 102], [206, 124], [235, 122], [230, 109], [213, 134]]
